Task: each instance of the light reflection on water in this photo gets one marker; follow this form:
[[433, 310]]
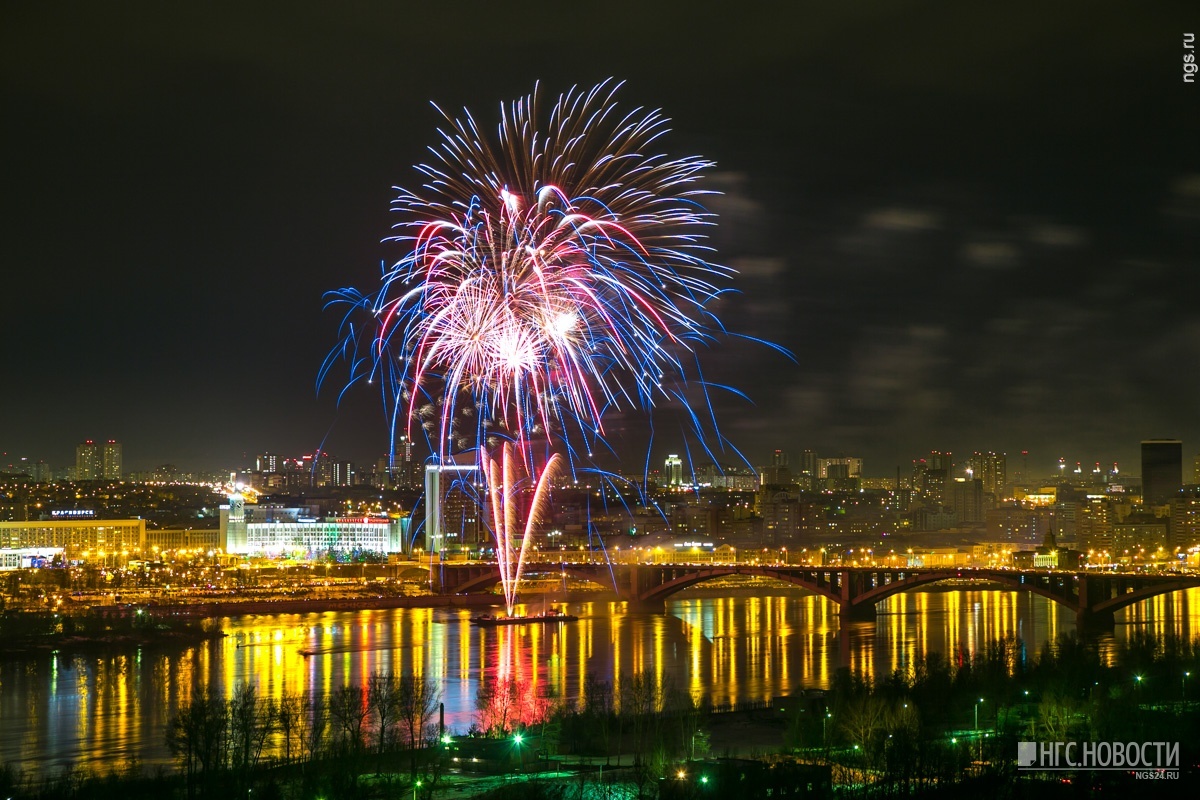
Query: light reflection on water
[[101, 712]]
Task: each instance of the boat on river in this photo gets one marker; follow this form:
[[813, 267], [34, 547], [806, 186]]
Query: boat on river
[[551, 615]]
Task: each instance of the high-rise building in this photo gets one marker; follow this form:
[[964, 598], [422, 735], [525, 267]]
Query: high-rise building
[[452, 516], [673, 470], [1185, 519], [991, 470], [808, 470], [1196, 470], [89, 461], [1094, 524], [110, 465], [1162, 470], [966, 498], [853, 467]]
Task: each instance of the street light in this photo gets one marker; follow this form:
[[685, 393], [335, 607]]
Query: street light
[[416, 785], [824, 739], [977, 715], [1183, 685]]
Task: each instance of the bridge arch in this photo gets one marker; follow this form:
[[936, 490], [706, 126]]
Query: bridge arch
[[884, 591], [1127, 599], [480, 583], [695, 576]]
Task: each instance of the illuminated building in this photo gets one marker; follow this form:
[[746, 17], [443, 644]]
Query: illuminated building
[[828, 467], [270, 529], [1017, 524], [1162, 470], [184, 539], [451, 514], [26, 557], [1094, 524], [991, 470], [1185, 518], [89, 539], [674, 471], [94, 462], [110, 461], [89, 461]]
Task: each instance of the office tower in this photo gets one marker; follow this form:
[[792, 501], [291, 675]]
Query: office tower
[[110, 461], [673, 470], [1196, 470], [1162, 470], [452, 516], [268, 463], [89, 461], [779, 459]]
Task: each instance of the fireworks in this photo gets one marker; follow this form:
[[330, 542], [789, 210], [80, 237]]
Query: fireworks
[[553, 272]]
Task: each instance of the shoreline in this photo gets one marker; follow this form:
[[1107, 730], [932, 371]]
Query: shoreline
[[238, 608]]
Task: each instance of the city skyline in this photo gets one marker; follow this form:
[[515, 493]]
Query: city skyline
[[965, 248]]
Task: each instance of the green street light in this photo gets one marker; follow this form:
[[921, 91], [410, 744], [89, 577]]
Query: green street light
[[517, 738], [416, 784], [704, 779], [977, 714]]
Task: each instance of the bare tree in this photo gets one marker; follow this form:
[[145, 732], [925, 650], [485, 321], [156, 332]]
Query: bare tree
[[289, 723], [348, 712], [418, 699], [251, 722], [197, 735], [383, 702]]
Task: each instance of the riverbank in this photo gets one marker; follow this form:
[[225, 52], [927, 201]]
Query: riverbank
[[184, 633], [237, 608]]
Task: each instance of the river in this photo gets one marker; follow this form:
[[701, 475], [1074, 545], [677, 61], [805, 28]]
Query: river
[[99, 712]]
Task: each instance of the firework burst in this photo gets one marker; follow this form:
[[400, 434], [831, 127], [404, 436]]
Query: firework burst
[[553, 271]]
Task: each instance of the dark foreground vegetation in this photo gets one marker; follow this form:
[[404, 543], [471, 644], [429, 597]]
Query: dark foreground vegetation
[[945, 727]]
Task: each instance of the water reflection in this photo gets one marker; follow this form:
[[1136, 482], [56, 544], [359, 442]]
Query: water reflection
[[100, 712]]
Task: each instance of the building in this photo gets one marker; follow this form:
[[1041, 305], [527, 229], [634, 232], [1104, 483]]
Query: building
[[966, 498], [79, 539], [991, 469], [1094, 524], [452, 515], [27, 557], [1185, 519], [673, 471], [89, 461], [1162, 470], [110, 461], [270, 529], [95, 462], [158, 541]]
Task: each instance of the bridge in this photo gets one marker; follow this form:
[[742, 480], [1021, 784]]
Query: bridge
[[1094, 598]]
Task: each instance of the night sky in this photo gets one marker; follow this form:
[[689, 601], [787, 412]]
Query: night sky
[[976, 229]]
